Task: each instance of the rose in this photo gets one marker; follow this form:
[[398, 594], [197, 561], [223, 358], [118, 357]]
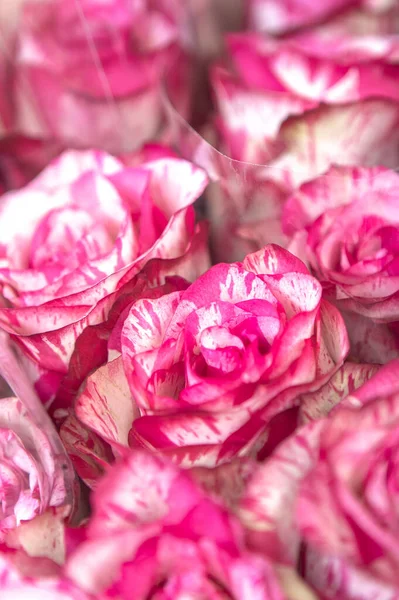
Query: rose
[[208, 367], [105, 77], [295, 105], [144, 508], [275, 17], [89, 226], [267, 506], [291, 76], [345, 224], [332, 487], [88, 82], [233, 351], [357, 461], [155, 534], [100, 417], [31, 479]]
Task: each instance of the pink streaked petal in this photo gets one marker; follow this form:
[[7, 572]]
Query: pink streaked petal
[[278, 17], [377, 287], [341, 186], [135, 117], [246, 575], [227, 283], [105, 405], [88, 453], [273, 260], [254, 114], [314, 68], [175, 184], [138, 491], [43, 536], [346, 380], [362, 135], [297, 292], [226, 482], [187, 457], [96, 564], [32, 447], [318, 78], [72, 164], [334, 340], [144, 331], [156, 273], [54, 349], [384, 382], [274, 398], [267, 506], [187, 431]]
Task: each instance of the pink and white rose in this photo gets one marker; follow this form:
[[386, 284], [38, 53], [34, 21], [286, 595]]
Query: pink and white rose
[[199, 373], [90, 74], [330, 489], [296, 105], [31, 476], [79, 232], [155, 534], [345, 224], [87, 80], [267, 506]]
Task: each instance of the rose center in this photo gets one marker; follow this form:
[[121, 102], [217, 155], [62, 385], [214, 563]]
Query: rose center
[[221, 350], [372, 244], [68, 237]]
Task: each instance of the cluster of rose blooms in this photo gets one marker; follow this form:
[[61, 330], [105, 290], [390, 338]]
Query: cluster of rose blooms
[[198, 407]]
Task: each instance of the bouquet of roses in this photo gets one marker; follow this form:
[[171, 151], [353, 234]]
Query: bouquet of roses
[[199, 300]]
